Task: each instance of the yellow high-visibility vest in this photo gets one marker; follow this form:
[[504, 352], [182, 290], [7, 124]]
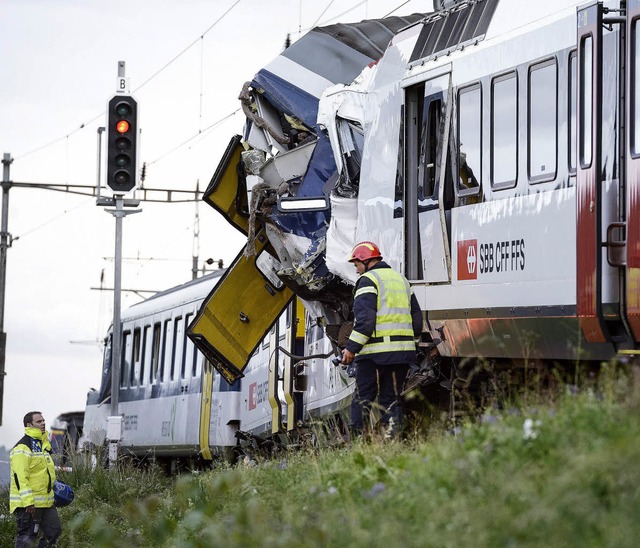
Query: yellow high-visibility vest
[[32, 472], [394, 327]]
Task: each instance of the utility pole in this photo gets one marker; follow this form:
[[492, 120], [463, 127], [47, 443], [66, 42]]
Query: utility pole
[[196, 239], [5, 243]]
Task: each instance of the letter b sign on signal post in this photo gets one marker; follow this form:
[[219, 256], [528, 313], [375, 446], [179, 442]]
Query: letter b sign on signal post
[[122, 136]]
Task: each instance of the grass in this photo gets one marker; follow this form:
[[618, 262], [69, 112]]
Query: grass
[[564, 472]]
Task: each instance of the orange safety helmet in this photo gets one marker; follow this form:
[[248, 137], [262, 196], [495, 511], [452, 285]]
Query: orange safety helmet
[[365, 251]]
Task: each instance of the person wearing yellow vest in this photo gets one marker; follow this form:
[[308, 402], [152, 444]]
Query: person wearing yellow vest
[[382, 344], [31, 497]]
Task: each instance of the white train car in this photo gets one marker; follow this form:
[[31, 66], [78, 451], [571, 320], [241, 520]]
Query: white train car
[[507, 129], [492, 151], [173, 403]]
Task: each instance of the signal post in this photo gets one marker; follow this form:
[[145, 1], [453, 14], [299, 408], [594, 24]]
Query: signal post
[[122, 178]]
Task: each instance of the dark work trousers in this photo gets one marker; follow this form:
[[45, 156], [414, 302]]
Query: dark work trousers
[[384, 382], [48, 527]]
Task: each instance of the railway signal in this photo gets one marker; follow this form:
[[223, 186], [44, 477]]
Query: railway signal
[[122, 133]]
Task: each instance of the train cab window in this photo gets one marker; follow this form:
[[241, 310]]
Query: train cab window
[[470, 140], [134, 371], [155, 352], [586, 101], [504, 131], [543, 121], [635, 89], [573, 111], [125, 362], [351, 139]]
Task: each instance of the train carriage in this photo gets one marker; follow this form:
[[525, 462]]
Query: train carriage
[[508, 166], [176, 407], [491, 152]]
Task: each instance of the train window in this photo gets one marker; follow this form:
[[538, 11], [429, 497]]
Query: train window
[[283, 323], [178, 347], [146, 347], [470, 140], [166, 352], [155, 352], [543, 121], [573, 109], [134, 371], [504, 131], [586, 101], [428, 149], [124, 362], [190, 350], [635, 92]]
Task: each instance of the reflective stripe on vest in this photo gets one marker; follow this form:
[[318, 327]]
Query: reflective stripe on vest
[[394, 326]]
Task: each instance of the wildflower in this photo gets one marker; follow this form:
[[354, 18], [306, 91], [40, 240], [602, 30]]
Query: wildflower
[[530, 429], [332, 490], [376, 489], [489, 419]]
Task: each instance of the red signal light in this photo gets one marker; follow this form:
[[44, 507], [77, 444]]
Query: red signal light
[[122, 126], [122, 121]]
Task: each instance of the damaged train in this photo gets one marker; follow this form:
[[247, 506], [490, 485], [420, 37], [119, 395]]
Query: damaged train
[[491, 148], [176, 409], [178, 404]]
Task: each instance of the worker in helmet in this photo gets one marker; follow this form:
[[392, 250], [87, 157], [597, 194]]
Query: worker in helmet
[[387, 321]]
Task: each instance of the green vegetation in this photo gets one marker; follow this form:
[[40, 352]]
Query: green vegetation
[[565, 472]]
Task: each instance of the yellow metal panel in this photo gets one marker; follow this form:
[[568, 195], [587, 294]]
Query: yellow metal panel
[[237, 315], [227, 191], [274, 398], [300, 317], [205, 410]]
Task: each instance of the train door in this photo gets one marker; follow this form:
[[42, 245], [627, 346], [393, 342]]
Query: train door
[[599, 187], [427, 188], [246, 302], [632, 65]]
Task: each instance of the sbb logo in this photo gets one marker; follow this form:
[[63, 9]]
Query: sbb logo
[[468, 260]]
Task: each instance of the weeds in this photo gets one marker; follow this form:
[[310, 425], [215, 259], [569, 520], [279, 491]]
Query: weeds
[[528, 470]]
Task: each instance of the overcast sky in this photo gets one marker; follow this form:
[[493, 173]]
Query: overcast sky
[[186, 62]]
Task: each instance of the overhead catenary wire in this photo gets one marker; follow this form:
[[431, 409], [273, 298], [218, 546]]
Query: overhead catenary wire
[[323, 12], [187, 48], [49, 221], [180, 54], [154, 75], [205, 130]]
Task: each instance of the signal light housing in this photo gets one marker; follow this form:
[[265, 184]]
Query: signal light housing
[[122, 136]]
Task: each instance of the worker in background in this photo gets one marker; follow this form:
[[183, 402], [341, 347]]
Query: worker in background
[[31, 497], [382, 343]]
